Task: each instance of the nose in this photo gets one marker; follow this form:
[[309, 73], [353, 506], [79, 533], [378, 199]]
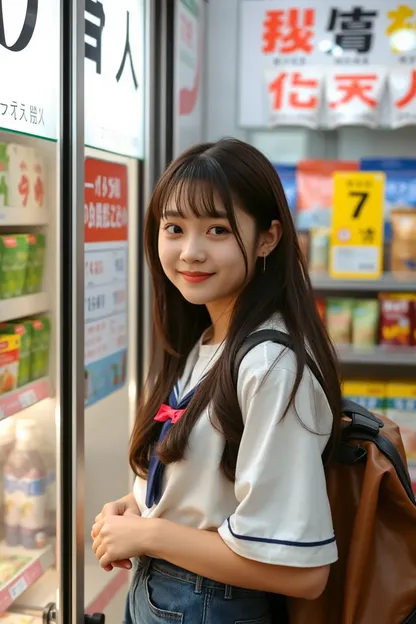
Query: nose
[[193, 250]]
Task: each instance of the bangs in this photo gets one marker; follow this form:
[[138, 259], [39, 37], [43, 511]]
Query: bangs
[[199, 187]]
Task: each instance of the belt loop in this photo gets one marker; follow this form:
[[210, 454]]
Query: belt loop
[[147, 563], [228, 592], [198, 585]]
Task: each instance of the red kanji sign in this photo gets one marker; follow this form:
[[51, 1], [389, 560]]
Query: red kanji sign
[[355, 86], [298, 91], [288, 31], [408, 97]]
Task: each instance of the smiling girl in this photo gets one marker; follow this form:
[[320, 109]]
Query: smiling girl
[[230, 500]]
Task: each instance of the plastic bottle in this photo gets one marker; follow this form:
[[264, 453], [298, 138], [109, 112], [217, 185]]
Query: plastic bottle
[[7, 437], [25, 490]]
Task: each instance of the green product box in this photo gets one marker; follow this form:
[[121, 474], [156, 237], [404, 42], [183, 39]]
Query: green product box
[[14, 250], [41, 339], [35, 263], [4, 176], [22, 328]]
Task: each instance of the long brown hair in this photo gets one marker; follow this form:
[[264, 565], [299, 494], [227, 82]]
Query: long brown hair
[[232, 171]]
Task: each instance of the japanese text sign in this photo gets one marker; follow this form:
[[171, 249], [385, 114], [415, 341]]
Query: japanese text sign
[[189, 62], [106, 277], [114, 76], [357, 225], [346, 35], [29, 61], [402, 86]]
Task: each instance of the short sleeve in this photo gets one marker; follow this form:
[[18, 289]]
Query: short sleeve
[[283, 515]]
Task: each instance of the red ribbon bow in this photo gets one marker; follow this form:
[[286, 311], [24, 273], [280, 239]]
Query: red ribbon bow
[[168, 413]]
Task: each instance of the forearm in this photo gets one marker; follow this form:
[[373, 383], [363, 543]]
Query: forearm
[[206, 554]]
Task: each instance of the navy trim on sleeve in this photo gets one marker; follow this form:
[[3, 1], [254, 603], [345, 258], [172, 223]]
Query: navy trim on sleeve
[[250, 538]]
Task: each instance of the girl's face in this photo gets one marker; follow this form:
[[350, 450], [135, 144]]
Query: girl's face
[[202, 258]]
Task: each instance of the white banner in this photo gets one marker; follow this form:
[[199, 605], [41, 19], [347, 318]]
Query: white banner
[[29, 62], [402, 86], [314, 33], [189, 63], [114, 76]]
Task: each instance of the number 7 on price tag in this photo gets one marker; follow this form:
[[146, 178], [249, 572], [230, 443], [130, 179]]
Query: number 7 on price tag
[[357, 227]]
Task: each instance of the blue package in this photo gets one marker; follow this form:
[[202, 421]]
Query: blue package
[[400, 191], [287, 175]]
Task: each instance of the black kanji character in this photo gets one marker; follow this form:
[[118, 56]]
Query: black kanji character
[[356, 28], [22, 112], [40, 119], [94, 31], [27, 31], [33, 114], [5, 107], [127, 52], [13, 111], [368, 235]]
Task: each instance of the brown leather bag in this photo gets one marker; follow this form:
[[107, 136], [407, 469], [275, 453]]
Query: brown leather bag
[[374, 516]]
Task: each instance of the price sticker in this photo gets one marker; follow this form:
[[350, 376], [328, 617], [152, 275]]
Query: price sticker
[[17, 588], [27, 398], [357, 227]]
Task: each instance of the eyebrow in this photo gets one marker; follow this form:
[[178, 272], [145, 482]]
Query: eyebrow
[[174, 214]]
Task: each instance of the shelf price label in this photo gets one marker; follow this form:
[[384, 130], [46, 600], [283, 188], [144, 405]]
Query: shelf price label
[[357, 227]]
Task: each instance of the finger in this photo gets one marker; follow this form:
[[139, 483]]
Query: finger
[[101, 550], [105, 561], [98, 526], [99, 517], [108, 568], [96, 544], [125, 564]]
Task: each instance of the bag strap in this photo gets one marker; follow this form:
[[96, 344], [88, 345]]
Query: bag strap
[[361, 419]]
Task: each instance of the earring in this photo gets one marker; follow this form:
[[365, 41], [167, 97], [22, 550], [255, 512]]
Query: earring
[[264, 262]]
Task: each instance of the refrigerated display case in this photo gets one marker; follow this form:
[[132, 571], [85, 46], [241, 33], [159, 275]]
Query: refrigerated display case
[[71, 186]]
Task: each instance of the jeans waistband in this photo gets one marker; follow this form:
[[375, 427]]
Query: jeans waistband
[[200, 582]]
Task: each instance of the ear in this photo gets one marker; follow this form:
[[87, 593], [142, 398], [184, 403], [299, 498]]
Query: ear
[[270, 239]]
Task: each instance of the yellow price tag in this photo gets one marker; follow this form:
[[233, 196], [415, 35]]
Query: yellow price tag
[[357, 228]]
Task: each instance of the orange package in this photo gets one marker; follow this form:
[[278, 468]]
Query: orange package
[[9, 362], [314, 181]]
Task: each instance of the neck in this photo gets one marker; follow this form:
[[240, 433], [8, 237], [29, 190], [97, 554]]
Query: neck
[[220, 313]]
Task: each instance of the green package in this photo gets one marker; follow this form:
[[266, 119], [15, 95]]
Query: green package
[[14, 250], [41, 339], [4, 176], [22, 328], [35, 263]]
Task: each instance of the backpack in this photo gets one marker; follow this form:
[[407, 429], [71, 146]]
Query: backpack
[[374, 515]]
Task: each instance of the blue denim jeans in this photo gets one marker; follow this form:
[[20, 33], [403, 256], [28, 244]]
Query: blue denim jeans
[[162, 593]]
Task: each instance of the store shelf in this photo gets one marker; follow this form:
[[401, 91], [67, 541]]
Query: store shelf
[[387, 283], [20, 217], [26, 567], [21, 398], [378, 356], [28, 305]]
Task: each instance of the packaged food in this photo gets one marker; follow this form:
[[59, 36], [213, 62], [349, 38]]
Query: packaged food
[[9, 362], [403, 247], [400, 187], [365, 318], [395, 319], [37, 181], [371, 394], [287, 175], [315, 191], [7, 438], [10, 566], [338, 320], [16, 618], [21, 158], [35, 263], [23, 329], [4, 176], [401, 407], [14, 250], [41, 336], [319, 249]]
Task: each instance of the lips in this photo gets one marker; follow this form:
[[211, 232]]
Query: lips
[[195, 276]]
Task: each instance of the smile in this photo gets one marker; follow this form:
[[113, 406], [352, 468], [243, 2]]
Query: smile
[[195, 277]]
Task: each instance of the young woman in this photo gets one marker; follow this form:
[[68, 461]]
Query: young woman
[[230, 499]]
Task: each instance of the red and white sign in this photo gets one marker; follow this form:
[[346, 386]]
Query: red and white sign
[[294, 96], [106, 275], [354, 97], [402, 87]]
